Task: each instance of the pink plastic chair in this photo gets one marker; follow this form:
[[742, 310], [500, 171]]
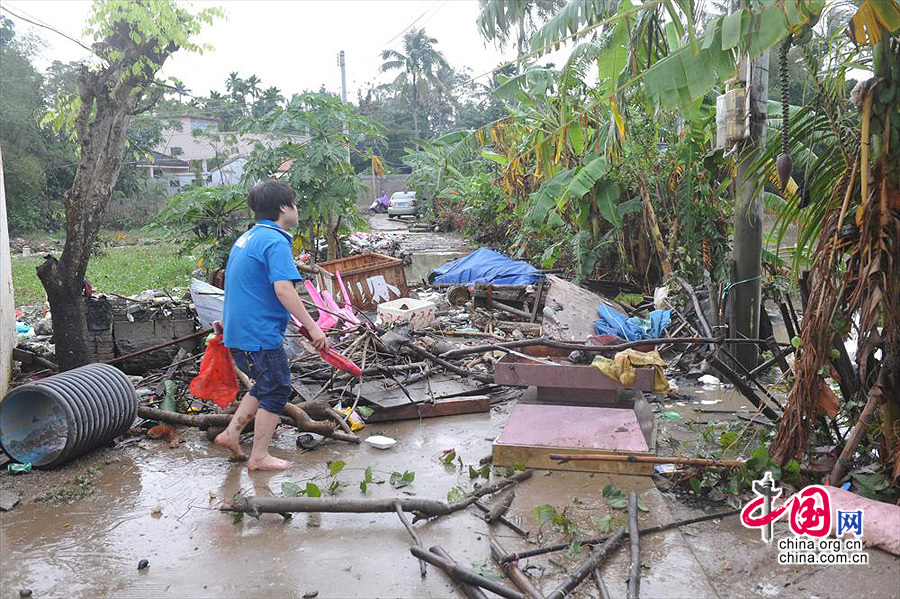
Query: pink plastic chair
[[347, 311], [325, 321]]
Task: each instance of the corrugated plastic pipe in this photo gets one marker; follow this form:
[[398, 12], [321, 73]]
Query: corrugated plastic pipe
[[54, 420]]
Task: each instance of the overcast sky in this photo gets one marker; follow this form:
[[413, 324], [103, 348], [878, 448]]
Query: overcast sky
[[291, 44]]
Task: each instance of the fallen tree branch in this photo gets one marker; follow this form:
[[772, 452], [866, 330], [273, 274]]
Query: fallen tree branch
[[874, 401], [546, 342], [601, 585], [469, 590], [634, 572], [466, 575], [483, 378], [516, 575], [585, 568], [502, 519], [511, 557], [412, 532], [423, 508], [500, 505], [147, 350], [292, 416]]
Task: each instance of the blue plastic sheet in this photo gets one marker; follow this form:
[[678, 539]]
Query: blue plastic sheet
[[613, 322], [487, 266]]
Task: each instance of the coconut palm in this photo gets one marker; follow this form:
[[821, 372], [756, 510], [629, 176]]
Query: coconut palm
[[253, 85], [419, 63]]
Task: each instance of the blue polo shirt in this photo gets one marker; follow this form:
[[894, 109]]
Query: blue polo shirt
[[253, 317]]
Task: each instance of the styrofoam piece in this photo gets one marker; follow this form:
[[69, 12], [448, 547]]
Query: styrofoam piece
[[418, 313], [708, 380], [380, 441]]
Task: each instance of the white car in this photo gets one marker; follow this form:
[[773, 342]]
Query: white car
[[404, 203]]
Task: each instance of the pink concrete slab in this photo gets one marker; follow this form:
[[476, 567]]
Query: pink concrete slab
[[604, 429]]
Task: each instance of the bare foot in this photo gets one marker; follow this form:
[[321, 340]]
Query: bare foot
[[225, 440], [269, 463]]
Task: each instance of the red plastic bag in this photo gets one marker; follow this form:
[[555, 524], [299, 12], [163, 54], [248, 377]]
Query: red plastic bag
[[217, 381]]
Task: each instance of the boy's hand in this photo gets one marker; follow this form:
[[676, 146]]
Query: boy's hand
[[318, 339]]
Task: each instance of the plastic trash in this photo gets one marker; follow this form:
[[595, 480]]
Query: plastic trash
[[380, 441], [670, 416], [216, 381], [356, 423], [708, 380]]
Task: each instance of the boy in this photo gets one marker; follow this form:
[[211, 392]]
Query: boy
[[259, 299]]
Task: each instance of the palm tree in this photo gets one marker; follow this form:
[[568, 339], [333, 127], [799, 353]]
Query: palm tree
[[253, 85], [180, 88], [267, 102], [237, 87], [419, 63]]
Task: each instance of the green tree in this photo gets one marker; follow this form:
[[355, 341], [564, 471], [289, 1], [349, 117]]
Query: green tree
[[132, 40], [24, 150], [500, 19], [418, 63], [319, 171]]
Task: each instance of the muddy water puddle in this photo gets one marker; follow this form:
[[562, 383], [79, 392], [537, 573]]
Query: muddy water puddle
[[91, 547]]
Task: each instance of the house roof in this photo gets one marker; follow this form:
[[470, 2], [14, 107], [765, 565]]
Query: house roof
[[160, 159], [193, 116]]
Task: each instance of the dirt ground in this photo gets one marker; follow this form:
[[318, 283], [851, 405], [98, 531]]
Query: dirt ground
[[81, 530]]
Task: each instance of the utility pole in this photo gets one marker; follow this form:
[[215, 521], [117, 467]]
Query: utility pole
[[744, 296], [343, 64]]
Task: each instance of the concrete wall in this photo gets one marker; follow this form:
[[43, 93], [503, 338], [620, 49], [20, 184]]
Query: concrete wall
[[7, 304], [387, 183]]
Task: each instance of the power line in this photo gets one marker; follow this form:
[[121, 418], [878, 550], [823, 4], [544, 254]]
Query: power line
[[45, 26], [410, 25]]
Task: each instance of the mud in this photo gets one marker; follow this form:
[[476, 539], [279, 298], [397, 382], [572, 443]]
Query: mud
[[91, 546]]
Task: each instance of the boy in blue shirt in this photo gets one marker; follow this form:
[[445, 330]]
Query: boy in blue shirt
[[259, 300]]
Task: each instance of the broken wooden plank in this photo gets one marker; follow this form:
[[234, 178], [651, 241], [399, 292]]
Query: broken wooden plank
[[440, 407]]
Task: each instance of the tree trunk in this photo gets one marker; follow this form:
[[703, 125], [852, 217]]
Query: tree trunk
[[102, 147], [109, 97]]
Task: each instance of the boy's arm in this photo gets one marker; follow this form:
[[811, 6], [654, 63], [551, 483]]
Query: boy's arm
[[288, 297]]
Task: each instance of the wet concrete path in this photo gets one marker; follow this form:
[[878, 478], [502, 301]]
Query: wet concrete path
[[91, 547]]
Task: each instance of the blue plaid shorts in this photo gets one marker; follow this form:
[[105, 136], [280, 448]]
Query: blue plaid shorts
[[271, 371]]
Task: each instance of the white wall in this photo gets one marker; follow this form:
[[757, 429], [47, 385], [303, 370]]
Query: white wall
[[7, 307]]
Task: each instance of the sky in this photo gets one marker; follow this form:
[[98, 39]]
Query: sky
[[291, 44]]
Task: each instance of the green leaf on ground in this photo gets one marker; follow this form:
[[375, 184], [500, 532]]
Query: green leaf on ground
[[312, 490], [619, 503], [398, 480], [289, 489], [544, 512], [335, 466]]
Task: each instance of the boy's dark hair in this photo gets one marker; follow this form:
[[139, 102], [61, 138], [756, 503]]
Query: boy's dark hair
[[266, 199]]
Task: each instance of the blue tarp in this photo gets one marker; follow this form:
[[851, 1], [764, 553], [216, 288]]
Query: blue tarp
[[614, 322], [487, 266]]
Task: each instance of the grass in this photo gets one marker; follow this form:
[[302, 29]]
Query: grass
[[124, 270]]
